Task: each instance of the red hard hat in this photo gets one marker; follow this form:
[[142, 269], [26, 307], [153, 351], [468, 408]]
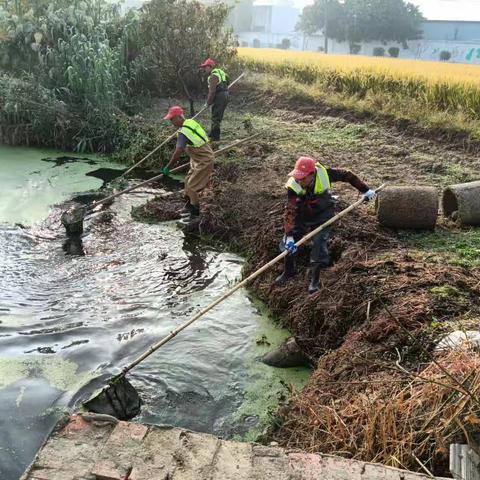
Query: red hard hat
[[174, 111], [304, 167], [208, 63]]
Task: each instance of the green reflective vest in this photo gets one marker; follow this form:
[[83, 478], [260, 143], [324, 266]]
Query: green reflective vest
[[322, 182], [222, 78], [194, 132]]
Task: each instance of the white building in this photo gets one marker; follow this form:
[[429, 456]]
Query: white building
[[272, 23]]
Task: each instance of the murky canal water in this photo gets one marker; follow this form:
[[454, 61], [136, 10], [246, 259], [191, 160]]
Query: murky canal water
[[67, 319]]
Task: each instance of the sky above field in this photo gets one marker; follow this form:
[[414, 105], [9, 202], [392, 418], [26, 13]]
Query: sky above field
[[438, 9]]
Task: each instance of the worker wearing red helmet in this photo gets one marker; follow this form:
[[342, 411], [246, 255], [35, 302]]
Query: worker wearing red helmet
[[309, 205], [217, 95], [192, 139]]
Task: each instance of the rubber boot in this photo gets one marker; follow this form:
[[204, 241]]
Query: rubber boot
[[190, 223], [289, 270], [186, 210], [315, 279], [194, 212]]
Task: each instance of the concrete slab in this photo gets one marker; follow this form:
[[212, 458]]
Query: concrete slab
[[70, 453], [98, 450]]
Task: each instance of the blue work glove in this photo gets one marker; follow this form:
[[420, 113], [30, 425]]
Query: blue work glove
[[165, 171], [369, 195], [290, 246]]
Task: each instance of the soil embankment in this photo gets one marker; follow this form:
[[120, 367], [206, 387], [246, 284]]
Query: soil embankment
[[375, 395]]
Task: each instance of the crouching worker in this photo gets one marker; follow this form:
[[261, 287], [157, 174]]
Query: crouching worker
[[194, 141], [309, 205]]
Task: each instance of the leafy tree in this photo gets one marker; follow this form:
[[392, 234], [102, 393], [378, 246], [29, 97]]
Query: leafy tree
[[177, 35], [358, 21], [325, 15], [383, 20]]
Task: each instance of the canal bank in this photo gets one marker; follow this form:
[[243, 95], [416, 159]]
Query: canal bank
[[84, 448]]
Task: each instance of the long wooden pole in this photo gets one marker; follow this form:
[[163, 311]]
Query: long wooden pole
[[157, 177], [254, 275], [173, 134]]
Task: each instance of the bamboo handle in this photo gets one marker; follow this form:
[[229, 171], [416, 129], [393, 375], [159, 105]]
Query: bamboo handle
[[181, 167], [251, 277], [235, 144], [134, 187], [173, 134]]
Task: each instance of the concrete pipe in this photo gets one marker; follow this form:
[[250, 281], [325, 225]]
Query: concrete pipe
[[408, 207], [462, 202]]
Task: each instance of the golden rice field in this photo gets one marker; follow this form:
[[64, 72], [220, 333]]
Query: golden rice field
[[442, 86], [433, 71]]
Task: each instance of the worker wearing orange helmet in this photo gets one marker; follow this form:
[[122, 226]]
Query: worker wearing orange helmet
[[193, 140], [309, 205], [217, 95]]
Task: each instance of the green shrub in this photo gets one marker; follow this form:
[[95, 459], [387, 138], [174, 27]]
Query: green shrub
[[394, 52], [77, 55], [76, 71], [285, 45], [445, 55], [355, 48], [378, 52]]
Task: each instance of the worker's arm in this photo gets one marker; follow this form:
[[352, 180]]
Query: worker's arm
[[290, 213], [175, 157], [212, 88], [341, 175], [182, 142]]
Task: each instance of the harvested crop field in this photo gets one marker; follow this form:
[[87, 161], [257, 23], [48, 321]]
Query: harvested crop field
[[370, 331]]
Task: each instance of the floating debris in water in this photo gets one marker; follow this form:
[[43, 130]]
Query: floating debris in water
[[72, 219]]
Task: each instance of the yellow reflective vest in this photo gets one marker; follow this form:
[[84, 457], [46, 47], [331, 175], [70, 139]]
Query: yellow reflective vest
[[194, 132], [222, 79], [322, 182]]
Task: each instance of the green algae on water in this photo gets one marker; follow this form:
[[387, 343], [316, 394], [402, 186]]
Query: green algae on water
[[60, 374], [30, 185], [269, 386]]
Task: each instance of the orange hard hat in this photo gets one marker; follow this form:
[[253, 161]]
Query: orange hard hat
[[174, 111], [303, 167], [208, 63]]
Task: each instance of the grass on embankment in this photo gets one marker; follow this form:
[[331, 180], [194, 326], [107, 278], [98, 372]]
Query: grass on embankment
[[438, 101]]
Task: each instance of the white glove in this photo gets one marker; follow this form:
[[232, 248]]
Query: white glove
[[369, 195]]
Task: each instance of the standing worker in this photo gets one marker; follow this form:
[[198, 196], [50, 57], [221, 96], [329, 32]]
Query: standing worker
[[217, 95], [309, 205], [192, 139]]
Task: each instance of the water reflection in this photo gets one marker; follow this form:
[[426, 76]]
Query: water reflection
[[69, 322]]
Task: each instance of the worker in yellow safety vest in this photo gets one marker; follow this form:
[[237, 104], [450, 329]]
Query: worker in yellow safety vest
[[217, 95], [192, 139], [310, 204]]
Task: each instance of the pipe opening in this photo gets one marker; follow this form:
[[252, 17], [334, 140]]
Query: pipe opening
[[449, 203]]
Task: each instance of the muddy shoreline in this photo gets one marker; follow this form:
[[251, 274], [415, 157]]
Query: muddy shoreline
[[381, 283]]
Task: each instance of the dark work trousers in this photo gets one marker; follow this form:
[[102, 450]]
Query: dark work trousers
[[319, 255], [218, 109]]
